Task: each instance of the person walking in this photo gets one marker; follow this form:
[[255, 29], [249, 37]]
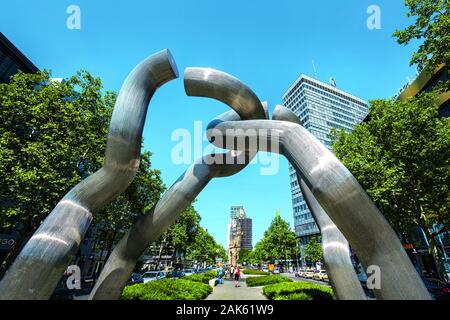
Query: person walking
[[232, 272], [237, 275], [220, 275]]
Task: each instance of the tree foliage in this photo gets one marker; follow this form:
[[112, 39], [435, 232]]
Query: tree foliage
[[205, 248], [401, 158], [432, 25], [313, 250], [52, 136], [278, 243]]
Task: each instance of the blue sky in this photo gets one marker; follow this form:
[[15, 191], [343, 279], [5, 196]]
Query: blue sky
[[266, 44]]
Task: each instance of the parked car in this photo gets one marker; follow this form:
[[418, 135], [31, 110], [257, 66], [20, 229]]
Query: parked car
[[320, 275], [308, 274], [438, 289], [276, 271], [188, 272], [135, 278], [153, 275], [175, 274]]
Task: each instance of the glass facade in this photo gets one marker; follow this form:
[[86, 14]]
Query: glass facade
[[320, 108], [12, 60], [245, 225]]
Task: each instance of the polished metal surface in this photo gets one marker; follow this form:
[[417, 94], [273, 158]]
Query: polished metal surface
[[149, 227], [335, 248], [41, 263], [342, 198]]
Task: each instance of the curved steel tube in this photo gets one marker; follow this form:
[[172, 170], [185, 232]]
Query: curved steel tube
[[149, 227], [341, 196], [336, 253], [37, 270]]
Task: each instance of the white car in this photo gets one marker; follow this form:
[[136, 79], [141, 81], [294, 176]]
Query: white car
[[188, 272], [276, 271], [153, 275]]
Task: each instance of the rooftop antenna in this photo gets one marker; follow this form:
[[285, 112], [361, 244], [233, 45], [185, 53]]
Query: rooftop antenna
[[314, 69]]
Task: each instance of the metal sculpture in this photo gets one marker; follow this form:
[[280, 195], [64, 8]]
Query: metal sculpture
[[202, 82], [41, 263], [328, 186], [336, 253], [341, 196]]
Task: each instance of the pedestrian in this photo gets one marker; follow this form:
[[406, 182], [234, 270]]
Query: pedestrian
[[231, 272], [237, 275], [220, 274]]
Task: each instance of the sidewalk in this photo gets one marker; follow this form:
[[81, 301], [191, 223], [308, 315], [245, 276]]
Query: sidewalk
[[227, 291]]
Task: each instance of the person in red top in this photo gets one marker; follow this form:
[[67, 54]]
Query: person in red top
[[237, 275]]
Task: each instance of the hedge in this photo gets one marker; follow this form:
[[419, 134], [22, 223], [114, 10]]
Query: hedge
[[252, 271], [298, 291], [265, 280], [201, 277], [167, 289]]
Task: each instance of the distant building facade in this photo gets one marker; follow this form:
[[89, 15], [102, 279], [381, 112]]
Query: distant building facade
[[320, 108], [240, 227], [12, 60]]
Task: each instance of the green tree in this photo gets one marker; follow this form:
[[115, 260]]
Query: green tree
[[245, 256], [278, 243], [205, 248], [180, 235], [432, 25], [401, 158], [313, 250], [52, 136]]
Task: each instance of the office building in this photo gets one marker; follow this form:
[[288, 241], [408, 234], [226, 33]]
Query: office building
[[240, 228], [12, 60], [320, 108]]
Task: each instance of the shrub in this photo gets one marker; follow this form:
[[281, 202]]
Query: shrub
[[298, 291], [167, 289], [258, 272], [201, 277], [265, 280]]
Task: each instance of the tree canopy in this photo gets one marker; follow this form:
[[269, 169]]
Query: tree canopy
[[313, 250], [278, 243], [52, 136], [401, 158], [432, 25]]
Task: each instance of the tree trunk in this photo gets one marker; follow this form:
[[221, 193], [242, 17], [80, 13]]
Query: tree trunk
[[160, 253]]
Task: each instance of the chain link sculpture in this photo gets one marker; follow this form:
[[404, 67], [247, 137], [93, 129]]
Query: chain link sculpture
[[201, 82], [340, 196], [333, 195]]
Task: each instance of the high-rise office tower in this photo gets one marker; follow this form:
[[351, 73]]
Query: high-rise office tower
[[239, 231], [320, 108]]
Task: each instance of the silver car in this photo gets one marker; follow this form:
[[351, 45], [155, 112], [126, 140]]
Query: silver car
[[153, 275]]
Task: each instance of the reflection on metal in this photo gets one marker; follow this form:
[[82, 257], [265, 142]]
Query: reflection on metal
[[342, 198], [37, 270], [198, 82], [336, 253]]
